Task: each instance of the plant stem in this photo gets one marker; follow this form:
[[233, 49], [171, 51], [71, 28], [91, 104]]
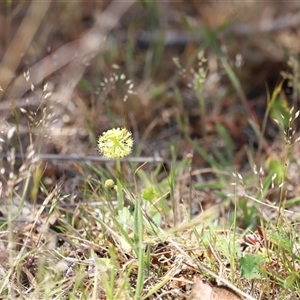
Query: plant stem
[[119, 185], [141, 253]]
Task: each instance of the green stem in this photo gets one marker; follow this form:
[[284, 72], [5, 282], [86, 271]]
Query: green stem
[[119, 185], [140, 251]]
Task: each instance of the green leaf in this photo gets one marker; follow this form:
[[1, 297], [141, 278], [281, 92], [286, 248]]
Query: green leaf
[[277, 170], [149, 193], [125, 218], [290, 280], [278, 108], [283, 240], [250, 266], [280, 111]]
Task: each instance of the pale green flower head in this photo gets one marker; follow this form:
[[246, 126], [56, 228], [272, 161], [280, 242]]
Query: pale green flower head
[[109, 183], [115, 143]]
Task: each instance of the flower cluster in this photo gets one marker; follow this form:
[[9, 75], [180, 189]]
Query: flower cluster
[[115, 143]]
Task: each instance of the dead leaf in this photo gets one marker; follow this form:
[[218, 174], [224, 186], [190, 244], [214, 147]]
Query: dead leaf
[[203, 291], [223, 293]]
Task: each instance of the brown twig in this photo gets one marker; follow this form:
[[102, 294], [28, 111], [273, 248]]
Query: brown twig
[[75, 157]]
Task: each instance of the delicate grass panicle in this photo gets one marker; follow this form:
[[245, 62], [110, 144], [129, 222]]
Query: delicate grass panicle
[[117, 85]]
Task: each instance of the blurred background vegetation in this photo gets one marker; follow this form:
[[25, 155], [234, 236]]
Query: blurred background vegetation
[[208, 89], [49, 42], [186, 77]]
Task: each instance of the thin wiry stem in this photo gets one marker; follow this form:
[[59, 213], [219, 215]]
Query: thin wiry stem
[[119, 185]]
